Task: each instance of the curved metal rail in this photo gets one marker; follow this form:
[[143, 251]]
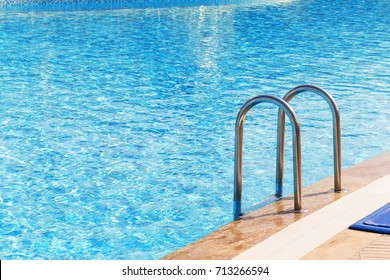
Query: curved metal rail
[[336, 136], [286, 109]]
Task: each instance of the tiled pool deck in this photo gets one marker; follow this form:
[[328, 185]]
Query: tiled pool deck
[[276, 232]]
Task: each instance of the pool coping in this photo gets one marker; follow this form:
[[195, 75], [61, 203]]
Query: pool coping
[[301, 237], [234, 238]]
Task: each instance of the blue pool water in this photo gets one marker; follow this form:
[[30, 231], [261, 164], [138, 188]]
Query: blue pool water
[[117, 126]]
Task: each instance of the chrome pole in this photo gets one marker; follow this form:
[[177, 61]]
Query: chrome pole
[[286, 108], [336, 136]]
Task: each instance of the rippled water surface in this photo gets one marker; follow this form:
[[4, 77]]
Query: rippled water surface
[[117, 126]]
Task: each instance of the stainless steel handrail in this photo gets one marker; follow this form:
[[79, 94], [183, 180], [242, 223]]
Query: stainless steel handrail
[[286, 108], [336, 136]]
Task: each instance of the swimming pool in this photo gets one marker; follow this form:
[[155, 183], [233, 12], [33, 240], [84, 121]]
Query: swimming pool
[[117, 126]]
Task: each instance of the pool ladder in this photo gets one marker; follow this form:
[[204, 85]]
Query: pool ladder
[[285, 109]]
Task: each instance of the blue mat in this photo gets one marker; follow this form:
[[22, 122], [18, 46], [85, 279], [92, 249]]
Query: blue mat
[[378, 222]]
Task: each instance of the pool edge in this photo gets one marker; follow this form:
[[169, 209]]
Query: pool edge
[[236, 237]]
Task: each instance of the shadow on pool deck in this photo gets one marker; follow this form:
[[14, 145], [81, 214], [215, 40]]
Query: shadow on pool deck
[[236, 237]]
